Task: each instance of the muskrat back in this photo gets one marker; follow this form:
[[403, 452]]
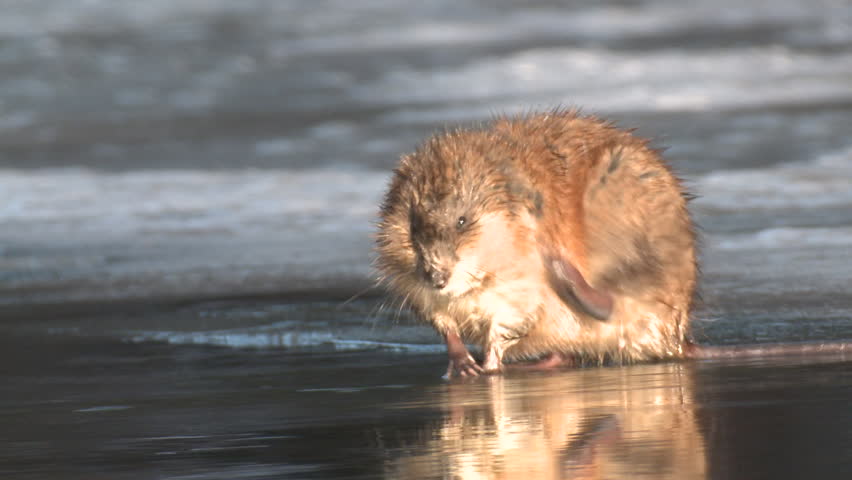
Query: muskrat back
[[550, 235]]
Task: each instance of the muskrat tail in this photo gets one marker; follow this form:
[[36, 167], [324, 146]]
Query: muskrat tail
[[768, 350]]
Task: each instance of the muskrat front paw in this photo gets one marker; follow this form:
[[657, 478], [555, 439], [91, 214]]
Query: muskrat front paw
[[462, 365]]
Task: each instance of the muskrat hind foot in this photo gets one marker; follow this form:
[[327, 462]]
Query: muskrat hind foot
[[548, 362]]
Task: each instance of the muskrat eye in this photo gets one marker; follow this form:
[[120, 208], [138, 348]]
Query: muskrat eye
[[461, 222]]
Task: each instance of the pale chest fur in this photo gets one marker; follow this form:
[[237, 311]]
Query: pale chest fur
[[498, 285]]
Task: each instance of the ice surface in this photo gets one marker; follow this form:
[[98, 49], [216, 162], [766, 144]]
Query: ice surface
[[201, 149]]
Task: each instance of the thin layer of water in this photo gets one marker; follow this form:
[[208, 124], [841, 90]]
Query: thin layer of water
[[74, 409]]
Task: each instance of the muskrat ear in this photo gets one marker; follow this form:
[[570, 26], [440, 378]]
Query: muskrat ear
[[570, 286]]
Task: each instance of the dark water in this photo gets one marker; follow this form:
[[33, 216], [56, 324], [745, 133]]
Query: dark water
[[186, 196], [99, 403], [93, 408]]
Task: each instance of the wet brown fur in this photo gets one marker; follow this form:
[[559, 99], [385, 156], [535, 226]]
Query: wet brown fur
[[492, 203]]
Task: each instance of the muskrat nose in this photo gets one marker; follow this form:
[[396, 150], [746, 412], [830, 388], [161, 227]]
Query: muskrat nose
[[439, 278]]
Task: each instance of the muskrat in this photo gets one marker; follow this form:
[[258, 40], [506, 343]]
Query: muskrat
[[554, 237]]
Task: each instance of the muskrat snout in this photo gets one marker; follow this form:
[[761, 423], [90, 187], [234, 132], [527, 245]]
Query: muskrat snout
[[438, 277], [436, 261]]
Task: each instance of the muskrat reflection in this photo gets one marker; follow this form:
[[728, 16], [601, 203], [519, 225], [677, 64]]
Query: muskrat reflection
[[601, 423]]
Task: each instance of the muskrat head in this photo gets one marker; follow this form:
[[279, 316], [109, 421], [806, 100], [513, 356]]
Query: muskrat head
[[439, 232], [445, 219]]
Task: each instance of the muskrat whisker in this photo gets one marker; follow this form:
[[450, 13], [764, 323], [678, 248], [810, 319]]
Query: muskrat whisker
[[356, 296], [401, 307], [489, 273], [373, 315], [470, 274]]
